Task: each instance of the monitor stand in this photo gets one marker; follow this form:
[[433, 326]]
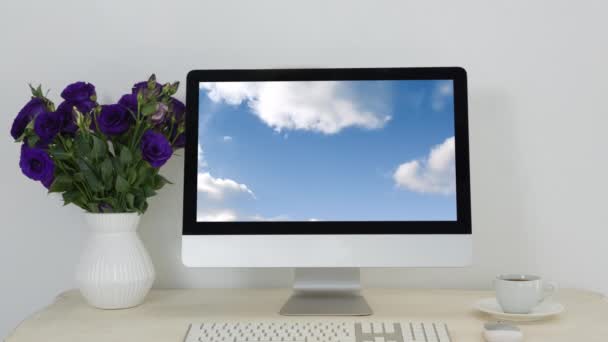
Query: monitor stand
[[326, 292]]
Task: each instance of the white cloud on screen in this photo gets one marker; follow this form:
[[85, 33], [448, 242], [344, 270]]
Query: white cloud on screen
[[441, 95], [325, 107], [434, 174], [201, 157], [219, 188], [232, 93], [216, 215], [270, 219], [227, 138], [278, 218]]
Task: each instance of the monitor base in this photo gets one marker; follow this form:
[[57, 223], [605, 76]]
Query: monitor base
[[326, 304], [326, 292]]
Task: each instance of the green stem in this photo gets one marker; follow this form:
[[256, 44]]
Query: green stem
[[171, 130], [132, 144], [82, 189], [138, 122]]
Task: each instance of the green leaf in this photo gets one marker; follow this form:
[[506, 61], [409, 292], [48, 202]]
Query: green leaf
[[122, 185], [92, 181], [130, 200], [83, 147], [32, 140], [131, 176], [100, 148], [92, 207], [117, 166], [59, 153], [72, 196], [62, 183], [160, 181], [125, 156], [139, 199], [144, 171], [107, 171], [83, 164], [78, 177], [149, 191], [142, 209]]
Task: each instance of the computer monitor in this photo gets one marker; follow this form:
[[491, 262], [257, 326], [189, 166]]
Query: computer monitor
[[327, 171]]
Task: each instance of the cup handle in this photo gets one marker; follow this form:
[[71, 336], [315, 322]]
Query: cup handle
[[550, 289]]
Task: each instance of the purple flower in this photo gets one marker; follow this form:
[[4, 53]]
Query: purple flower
[[34, 107], [155, 149], [105, 208], [36, 164], [180, 141], [178, 108], [144, 86], [129, 101], [47, 125], [79, 92], [114, 119], [66, 111]]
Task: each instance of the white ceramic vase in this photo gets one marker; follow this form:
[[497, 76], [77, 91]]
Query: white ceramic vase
[[115, 270]]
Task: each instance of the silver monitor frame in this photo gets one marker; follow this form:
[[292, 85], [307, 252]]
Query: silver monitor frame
[[326, 278], [327, 256]]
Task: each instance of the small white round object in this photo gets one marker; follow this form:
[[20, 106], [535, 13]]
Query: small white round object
[[502, 332]]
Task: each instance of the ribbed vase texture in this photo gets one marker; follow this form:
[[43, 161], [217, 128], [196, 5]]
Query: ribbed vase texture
[[115, 270]]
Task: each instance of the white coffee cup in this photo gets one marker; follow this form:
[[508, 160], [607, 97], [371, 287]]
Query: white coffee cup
[[520, 293]]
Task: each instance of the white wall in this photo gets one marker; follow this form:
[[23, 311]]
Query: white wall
[[538, 74]]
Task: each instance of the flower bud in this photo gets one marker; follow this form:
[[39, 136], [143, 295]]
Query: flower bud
[[160, 114]]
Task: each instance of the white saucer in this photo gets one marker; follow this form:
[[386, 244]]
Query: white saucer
[[542, 311]]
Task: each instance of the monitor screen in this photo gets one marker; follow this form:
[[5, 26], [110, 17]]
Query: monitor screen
[[308, 151]]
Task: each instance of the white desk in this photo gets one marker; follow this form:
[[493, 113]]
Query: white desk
[[164, 315]]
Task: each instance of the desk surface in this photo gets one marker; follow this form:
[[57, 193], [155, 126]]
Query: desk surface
[[165, 314]]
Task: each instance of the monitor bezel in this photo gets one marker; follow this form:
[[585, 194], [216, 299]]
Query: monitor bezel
[[463, 201]]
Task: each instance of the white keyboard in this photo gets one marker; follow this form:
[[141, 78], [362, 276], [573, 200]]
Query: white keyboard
[[317, 331]]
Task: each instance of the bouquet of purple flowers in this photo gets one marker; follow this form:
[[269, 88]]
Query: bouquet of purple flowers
[[102, 158]]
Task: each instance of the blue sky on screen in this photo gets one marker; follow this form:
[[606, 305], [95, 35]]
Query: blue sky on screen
[[302, 151]]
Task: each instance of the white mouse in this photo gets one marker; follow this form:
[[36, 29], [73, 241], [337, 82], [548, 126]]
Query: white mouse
[[502, 332]]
